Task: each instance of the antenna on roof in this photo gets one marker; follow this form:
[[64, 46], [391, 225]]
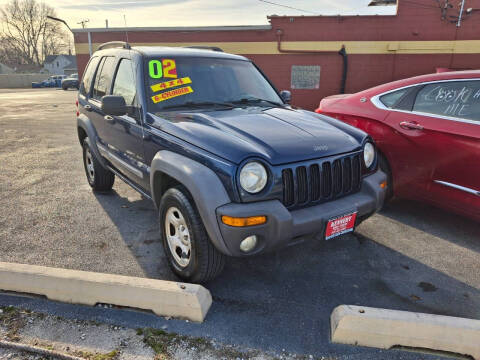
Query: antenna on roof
[[129, 48], [126, 29]]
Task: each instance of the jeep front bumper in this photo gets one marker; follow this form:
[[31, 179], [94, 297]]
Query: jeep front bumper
[[283, 226]]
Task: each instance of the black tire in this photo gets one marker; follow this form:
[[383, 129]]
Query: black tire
[[65, 88], [385, 167], [205, 261], [102, 179]]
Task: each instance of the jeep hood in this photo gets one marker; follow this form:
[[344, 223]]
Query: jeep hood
[[278, 135]]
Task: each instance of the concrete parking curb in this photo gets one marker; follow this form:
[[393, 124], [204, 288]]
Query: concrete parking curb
[[381, 328], [165, 298]]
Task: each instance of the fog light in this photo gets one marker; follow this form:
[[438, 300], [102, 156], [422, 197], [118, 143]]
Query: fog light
[[249, 243]]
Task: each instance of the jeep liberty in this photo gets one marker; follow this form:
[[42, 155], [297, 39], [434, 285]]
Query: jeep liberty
[[231, 167]]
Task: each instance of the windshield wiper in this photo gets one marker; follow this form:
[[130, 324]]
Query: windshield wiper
[[193, 104], [256, 100]]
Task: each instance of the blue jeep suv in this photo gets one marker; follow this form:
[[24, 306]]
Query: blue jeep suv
[[231, 167]]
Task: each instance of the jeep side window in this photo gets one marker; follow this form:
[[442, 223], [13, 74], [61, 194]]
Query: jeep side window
[[103, 78], [124, 84], [87, 77]]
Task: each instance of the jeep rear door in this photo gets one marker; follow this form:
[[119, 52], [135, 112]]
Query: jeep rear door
[[86, 86], [101, 87]]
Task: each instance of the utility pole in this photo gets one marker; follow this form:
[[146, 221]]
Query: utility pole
[[83, 23], [461, 14]]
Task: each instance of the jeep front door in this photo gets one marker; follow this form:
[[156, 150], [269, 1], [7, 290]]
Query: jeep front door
[[124, 134]]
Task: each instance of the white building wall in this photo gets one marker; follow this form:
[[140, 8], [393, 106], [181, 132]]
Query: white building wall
[[56, 66]]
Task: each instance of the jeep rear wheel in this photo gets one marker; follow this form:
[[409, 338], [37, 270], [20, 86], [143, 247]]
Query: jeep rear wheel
[[190, 253], [99, 178]]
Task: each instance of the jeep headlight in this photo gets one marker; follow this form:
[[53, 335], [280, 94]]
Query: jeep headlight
[[368, 154], [253, 177]]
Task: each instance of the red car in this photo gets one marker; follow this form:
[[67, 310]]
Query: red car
[[427, 130]]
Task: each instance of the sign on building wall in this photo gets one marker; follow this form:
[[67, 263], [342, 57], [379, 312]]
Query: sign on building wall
[[305, 77]]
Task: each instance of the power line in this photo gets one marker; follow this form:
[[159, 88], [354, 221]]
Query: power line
[[288, 7]]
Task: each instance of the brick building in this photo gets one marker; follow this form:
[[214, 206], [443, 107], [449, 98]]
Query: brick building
[[303, 53]]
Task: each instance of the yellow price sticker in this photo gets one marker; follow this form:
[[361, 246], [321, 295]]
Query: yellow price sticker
[[172, 93], [169, 84]]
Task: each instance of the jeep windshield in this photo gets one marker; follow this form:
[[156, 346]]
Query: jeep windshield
[[206, 82]]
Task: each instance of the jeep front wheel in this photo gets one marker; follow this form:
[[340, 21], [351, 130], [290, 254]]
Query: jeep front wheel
[[99, 178], [189, 251]]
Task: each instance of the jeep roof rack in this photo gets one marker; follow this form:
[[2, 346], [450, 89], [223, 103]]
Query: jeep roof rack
[[114, 44], [213, 48]]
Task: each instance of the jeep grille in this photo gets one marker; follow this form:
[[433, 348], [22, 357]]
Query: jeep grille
[[325, 180]]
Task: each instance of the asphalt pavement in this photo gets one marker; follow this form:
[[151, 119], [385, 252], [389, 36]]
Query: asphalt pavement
[[410, 256]]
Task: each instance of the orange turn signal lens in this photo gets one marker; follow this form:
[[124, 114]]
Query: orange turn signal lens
[[383, 185], [242, 222]]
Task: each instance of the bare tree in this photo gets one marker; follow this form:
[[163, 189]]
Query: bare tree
[[28, 35], [8, 54]]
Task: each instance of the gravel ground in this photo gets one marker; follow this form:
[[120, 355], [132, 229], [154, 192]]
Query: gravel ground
[[408, 257], [48, 214], [91, 340]]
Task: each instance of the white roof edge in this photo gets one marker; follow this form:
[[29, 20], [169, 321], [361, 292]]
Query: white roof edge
[[177, 28]]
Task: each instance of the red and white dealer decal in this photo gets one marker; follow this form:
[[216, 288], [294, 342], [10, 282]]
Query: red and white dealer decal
[[340, 225]]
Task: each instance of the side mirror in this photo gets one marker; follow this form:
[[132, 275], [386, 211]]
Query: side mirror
[[114, 105], [286, 96]]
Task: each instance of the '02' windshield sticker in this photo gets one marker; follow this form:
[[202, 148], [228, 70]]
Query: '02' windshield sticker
[[171, 94], [169, 84], [166, 68]]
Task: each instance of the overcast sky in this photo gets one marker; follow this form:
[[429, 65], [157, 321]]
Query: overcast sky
[[199, 12]]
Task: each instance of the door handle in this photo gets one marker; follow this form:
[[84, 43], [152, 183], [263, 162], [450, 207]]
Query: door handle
[[108, 118], [407, 125], [87, 107]]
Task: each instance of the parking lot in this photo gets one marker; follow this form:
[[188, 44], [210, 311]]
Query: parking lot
[[408, 257]]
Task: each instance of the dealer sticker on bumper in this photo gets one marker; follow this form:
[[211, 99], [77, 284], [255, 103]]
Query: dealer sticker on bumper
[[340, 225]]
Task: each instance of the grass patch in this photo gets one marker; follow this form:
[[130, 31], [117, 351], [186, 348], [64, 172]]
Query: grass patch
[[91, 356], [13, 321], [160, 341], [164, 343], [7, 310]]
